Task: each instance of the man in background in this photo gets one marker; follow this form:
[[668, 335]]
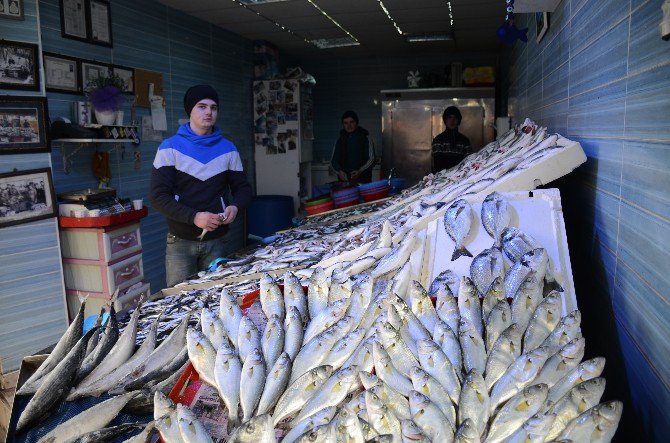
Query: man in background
[[353, 154], [450, 147], [191, 175]]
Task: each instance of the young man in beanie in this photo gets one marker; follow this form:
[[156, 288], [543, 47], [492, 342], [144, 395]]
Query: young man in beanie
[[353, 154], [191, 174], [450, 147]]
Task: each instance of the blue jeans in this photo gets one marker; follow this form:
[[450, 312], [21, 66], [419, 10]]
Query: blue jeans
[[184, 258]]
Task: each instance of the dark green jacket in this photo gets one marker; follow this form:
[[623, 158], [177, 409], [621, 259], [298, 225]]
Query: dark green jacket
[[354, 152]]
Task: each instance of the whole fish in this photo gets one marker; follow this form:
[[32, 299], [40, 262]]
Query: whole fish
[[534, 430], [411, 433], [401, 355], [422, 306], [430, 418], [526, 300], [396, 258], [202, 355], [467, 432], [162, 405], [586, 370], [580, 398], [93, 341], [293, 332], [386, 370], [168, 428], [190, 428], [495, 294], [446, 338], [212, 328], [447, 276], [516, 243], [277, 380], [544, 320], [457, 223], [248, 338], [299, 391], [401, 279], [362, 356], [534, 261], [271, 297], [317, 292], [326, 318], [446, 306], [55, 385], [340, 286], [252, 381], [424, 383], [272, 341], [362, 264], [259, 429], [143, 402], [381, 417], [230, 314], [344, 348], [320, 433], [468, 305], [562, 362], [332, 392], [472, 345], [499, 319], [107, 341], [505, 350], [485, 268], [434, 361], [496, 216], [322, 417], [294, 295], [567, 329], [597, 424], [315, 352], [392, 398], [394, 319], [474, 401], [516, 411], [361, 296], [64, 345], [227, 372], [519, 375], [416, 329]]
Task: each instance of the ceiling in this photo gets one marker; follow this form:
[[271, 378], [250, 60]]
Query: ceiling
[[474, 27]]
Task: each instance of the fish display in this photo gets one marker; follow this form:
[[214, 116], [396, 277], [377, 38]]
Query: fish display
[[353, 347]]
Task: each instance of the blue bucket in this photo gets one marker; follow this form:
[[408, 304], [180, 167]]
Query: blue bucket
[[397, 185], [268, 214]]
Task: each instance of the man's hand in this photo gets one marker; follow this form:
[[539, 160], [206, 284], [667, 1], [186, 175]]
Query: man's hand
[[207, 221], [342, 176], [229, 215]]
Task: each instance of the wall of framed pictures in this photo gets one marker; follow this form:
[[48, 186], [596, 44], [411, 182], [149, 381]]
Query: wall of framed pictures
[[87, 20]]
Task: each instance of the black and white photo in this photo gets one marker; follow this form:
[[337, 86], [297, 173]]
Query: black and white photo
[[12, 9], [23, 125], [61, 73], [26, 196], [19, 66]]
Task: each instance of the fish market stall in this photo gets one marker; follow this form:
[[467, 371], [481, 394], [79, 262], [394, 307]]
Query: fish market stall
[[445, 313]]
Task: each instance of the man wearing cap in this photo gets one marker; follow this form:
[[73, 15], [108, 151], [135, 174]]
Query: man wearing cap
[[450, 147], [191, 174], [353, 154]]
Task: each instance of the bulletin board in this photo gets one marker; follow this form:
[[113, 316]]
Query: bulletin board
[[142, 80]]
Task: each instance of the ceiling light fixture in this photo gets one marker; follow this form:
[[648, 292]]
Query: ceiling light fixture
[[244, 3], [325, 14], [451, 14], [429, 37], [326, 43], [388, 14]]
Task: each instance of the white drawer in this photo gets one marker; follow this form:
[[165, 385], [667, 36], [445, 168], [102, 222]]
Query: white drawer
[[100, 244], [121, 242], [102, 279], [125, 273]]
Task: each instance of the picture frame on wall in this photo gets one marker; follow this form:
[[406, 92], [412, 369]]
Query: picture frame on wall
[[23, 125], [542, 24], [19, 66], [61, 73], [73, 19], [90, 70], [100, 22], [26, 196], [11, 9], [128, 76]]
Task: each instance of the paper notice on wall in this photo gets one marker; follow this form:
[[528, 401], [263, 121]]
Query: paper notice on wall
[[149, 134], [158, 115]]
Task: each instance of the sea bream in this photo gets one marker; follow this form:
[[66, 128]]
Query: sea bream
[[457, 223], [496, 216]]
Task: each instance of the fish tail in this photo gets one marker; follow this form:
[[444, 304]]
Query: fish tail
[[459, 252]]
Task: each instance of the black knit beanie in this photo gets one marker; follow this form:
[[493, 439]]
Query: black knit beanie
[[197, 93], [350, 114]]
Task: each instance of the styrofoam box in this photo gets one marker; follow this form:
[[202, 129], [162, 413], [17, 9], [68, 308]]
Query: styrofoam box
[[537, 213]]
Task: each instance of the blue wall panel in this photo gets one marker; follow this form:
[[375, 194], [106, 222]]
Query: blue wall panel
[[606, 83]]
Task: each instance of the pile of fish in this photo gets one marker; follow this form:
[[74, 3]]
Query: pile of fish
[[363, 355]]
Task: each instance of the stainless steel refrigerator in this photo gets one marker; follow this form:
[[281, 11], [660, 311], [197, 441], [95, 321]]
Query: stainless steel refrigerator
[[411, 118]]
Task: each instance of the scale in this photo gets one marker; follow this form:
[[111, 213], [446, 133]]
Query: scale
[[104, 200]]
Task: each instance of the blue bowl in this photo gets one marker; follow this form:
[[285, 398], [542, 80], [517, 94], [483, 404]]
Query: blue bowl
[[372, 185]]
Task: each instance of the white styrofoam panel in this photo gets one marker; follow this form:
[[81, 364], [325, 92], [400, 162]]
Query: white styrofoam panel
[[540, 216]]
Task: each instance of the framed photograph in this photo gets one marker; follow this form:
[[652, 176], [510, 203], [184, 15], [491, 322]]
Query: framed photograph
[[73, 19], [542, 22], [19, 66], [90, 70], [23, 125], [128, 76], [61, 73], [26, 196], [100, 23], [12, 9]]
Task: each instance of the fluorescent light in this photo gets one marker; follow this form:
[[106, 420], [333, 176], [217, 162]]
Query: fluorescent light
[[326, 43], [258, 2], [388, 14], [325, 14], [429, 37]]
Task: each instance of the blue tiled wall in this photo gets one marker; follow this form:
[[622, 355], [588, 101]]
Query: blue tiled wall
[[186, 51], [601, 75]]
